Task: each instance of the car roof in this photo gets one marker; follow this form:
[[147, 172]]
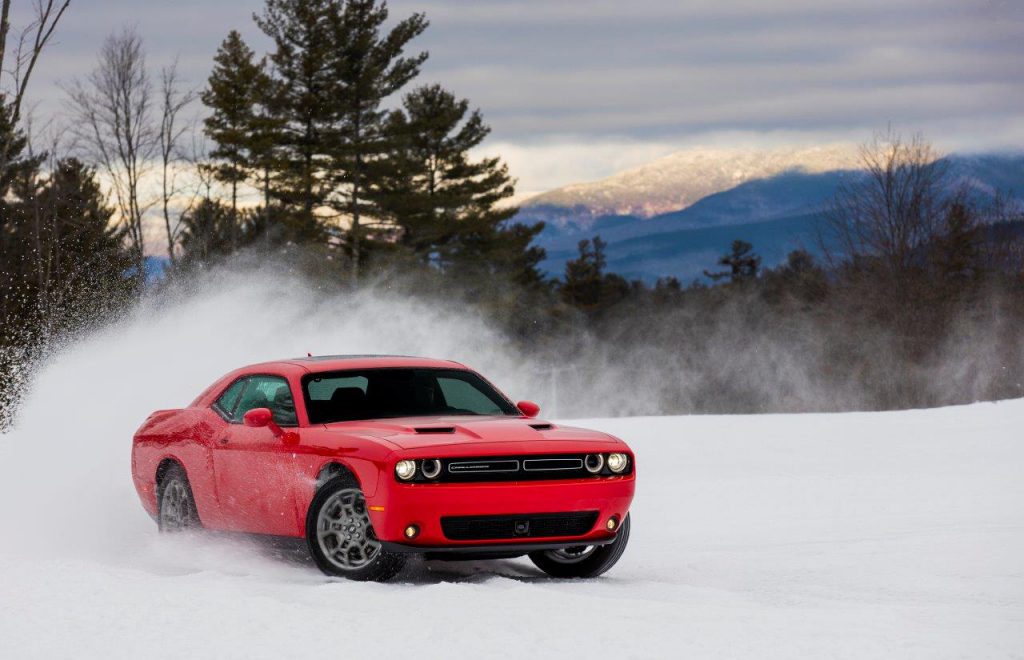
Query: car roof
[[324, 363]]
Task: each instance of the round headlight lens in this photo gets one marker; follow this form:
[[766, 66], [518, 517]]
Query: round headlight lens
[[594, 463], [405, 470], [431, 468], [617, 462]]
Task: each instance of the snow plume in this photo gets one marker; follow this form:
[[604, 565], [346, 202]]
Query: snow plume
[[87, 398]]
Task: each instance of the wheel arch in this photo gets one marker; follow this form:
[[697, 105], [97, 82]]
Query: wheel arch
[[164, 465], [332, 469]]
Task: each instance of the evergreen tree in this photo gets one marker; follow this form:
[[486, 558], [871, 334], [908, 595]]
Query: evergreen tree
[[62, 263], [303, 101], [367, 67], [587, 286], [956, 252], [235, 91], [743, 264], [446, 207], [209, 233]]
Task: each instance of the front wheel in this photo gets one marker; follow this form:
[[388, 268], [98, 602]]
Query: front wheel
[[341, 538], [583, 561]]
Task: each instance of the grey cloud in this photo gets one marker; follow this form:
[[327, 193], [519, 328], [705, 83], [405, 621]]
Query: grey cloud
[[656, 70]]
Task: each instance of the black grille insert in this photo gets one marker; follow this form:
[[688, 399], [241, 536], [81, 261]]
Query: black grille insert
[[527, 525], [530, 467]]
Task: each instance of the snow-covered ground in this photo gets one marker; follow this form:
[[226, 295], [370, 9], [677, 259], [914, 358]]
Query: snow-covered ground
[[895, 535]]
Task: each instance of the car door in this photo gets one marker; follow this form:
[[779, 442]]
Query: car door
[[253, 468]]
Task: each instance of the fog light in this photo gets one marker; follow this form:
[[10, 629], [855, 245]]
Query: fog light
[[412, 531], [405, 470], [612, 523], [617, 462]]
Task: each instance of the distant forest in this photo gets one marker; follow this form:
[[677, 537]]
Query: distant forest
[[362, 175]]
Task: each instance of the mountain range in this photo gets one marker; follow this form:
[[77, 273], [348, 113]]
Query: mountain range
[[677, 215]]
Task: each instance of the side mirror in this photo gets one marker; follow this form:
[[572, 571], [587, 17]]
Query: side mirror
[[257, 418], [260, 417], [528, 408]]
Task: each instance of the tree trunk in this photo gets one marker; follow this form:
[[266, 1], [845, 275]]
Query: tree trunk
[[266, 206], [234, 213], [356, 176]]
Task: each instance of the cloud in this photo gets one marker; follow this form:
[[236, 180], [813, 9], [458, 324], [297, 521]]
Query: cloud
[[573, 89]]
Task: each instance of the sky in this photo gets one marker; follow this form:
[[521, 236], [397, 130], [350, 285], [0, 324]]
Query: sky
[[577, 90]]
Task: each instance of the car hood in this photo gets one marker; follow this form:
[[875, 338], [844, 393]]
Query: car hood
[[425, 432]]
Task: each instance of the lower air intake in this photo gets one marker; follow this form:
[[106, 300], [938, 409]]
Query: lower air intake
[[525, 526]]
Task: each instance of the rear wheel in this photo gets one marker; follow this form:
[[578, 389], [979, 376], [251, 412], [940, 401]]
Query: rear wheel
[[177, 507], [583, 561], [341, 538]]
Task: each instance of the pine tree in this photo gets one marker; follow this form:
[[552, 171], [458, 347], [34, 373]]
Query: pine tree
[[447, 207], [587, 286], [743, 264], [209, 233], [303, 102], [367, 67], [63, 264], [235, 91], [956, 252]]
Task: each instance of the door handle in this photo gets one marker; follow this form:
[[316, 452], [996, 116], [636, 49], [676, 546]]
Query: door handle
[[223, 440]]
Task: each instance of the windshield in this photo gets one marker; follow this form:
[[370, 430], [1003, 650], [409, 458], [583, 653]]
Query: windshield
[[380, 393]]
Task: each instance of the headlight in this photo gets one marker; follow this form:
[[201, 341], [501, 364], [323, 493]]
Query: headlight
[[594, 463], [405, 470], [431, 468], [617, 462]]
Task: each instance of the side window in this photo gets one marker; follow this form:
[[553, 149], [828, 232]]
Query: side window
[[460, 395], [227, 401], [270, 392]]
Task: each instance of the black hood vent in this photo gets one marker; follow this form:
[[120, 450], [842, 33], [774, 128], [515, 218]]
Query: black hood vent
[[541, 427], [435, 429]]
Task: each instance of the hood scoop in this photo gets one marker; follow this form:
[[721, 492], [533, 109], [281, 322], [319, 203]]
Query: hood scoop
[[541, 427], [434, 430]]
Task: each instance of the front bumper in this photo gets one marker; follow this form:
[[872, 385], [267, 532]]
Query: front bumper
[[395, 506]]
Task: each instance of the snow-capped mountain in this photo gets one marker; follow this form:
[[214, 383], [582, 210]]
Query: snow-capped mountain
[[676, 181], [773, 199]]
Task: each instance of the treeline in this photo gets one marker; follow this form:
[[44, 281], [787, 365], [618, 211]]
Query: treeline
[[326, 154], [918, 300]]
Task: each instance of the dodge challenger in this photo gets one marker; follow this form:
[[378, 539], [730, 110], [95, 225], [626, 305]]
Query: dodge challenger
[[374, 458]]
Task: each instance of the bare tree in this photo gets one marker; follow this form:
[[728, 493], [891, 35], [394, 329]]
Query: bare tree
[[112, 113], [172, 102], [894, 208], [31, 42]]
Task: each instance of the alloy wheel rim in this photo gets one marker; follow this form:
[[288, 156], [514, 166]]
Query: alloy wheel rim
[[176, 507], [572, 555], [344, 532]]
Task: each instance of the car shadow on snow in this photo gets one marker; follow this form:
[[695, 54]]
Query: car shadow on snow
[[418, 571]]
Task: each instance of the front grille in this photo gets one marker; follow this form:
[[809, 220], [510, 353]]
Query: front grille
[[525, 526], [536, 467]]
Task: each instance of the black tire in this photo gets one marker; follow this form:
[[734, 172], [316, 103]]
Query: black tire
[[327, 536], [562, 564], [176, 506]]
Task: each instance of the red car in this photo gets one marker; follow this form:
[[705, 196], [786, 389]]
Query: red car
[[371, 458]]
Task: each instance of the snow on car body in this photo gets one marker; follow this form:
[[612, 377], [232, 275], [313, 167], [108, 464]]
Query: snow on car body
[[371, 458]]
